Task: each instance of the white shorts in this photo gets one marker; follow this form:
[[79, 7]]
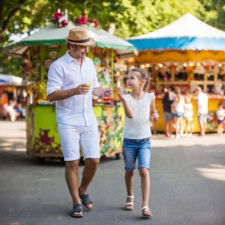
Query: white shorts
[[72, 137]]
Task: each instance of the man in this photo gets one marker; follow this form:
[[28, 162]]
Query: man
[[167, 111], [71, 81], [202, 102]]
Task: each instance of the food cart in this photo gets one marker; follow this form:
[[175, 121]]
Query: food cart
[[186, 53], [39, 51]]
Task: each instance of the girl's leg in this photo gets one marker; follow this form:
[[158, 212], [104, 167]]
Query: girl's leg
[[220, 128], [129, 184], [145, 186], [177, 126], [181, 121], [130, 155], [144, 157]]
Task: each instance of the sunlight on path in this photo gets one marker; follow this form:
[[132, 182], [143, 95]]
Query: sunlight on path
[[208, 140]]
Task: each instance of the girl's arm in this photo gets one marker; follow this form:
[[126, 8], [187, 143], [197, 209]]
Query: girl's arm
[[128, 111], [153, 112]]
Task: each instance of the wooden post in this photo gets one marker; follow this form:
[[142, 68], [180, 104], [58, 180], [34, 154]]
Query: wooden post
[[172, 71], [205, 79], [215, 72]]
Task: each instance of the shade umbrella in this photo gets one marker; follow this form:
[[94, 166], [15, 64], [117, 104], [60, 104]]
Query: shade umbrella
[[52, 35]]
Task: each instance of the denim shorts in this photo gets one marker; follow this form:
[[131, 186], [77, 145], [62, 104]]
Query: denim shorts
[[136, 148], [178, 114]]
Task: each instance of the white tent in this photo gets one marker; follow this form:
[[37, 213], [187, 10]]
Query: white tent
[[186, 33], [10, 80]]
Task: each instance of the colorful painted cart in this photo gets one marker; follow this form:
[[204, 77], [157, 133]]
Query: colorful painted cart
[[186, 53], [39, 51]]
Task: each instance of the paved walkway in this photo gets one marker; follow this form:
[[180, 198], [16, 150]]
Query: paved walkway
[[187, 185]]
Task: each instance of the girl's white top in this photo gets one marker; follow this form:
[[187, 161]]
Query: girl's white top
[[139, 126], [188, 112], [179, 106], [220, 113]]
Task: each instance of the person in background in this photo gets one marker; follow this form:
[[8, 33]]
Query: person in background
[[202, 104], [139, 108], [11, 112], [220, 115], [168, 116], [178, 114], [188, 115], [3, 105]]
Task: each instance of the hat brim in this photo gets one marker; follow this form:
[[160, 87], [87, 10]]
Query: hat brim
[[87, 43]]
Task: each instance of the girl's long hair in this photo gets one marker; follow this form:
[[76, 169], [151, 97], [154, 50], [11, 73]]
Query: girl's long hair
[[142, 75]]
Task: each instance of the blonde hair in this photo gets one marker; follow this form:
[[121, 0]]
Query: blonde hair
[[142, 75]]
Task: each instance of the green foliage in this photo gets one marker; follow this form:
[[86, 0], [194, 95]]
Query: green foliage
[[131, 17]]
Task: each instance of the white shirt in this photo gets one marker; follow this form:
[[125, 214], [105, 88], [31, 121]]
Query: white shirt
[[179, 106], [66, 73], [220, 113], [202, 100], [188, 110], [139, 126]]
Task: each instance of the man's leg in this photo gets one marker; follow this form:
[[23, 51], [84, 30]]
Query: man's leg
[[72, 179], [201, 125], [90, 169]]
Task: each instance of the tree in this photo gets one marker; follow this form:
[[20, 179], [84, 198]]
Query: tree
[[131, 17]]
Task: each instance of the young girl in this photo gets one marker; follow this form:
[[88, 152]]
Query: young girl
[[178, 113], [188, 114], [139, 108], [220, 114]]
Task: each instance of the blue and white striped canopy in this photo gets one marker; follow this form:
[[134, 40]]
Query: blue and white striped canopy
[[186, 33]]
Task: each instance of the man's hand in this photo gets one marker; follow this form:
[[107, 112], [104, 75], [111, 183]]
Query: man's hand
[[82, 89]]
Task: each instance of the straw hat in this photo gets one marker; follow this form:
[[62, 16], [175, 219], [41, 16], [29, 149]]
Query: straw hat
[[79, 36]]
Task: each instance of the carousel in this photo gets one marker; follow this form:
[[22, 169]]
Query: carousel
[[186, 53], [43, 47]]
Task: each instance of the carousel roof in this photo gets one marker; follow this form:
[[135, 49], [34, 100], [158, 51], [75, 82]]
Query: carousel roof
[[52, 35], [186, 33], [10, 80]]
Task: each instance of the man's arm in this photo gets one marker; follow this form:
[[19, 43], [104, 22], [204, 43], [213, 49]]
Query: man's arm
[[59, 95]]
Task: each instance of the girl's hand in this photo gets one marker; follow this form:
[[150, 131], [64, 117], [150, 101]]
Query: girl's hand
[[121, 94], [155, 116], [107, 92]]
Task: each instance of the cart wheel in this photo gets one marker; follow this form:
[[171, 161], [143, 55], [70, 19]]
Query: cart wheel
[[82, 162], [117, 156], [41, 160], [62, 160]]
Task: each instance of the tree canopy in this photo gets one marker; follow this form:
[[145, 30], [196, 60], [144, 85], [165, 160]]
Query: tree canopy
[[131, 17]]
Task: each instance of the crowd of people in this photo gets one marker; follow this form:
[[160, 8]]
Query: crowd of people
[[178, 113], [11, 109]]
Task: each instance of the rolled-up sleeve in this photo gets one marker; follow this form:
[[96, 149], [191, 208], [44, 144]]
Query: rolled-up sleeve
[[95, 78], [55, 78]]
